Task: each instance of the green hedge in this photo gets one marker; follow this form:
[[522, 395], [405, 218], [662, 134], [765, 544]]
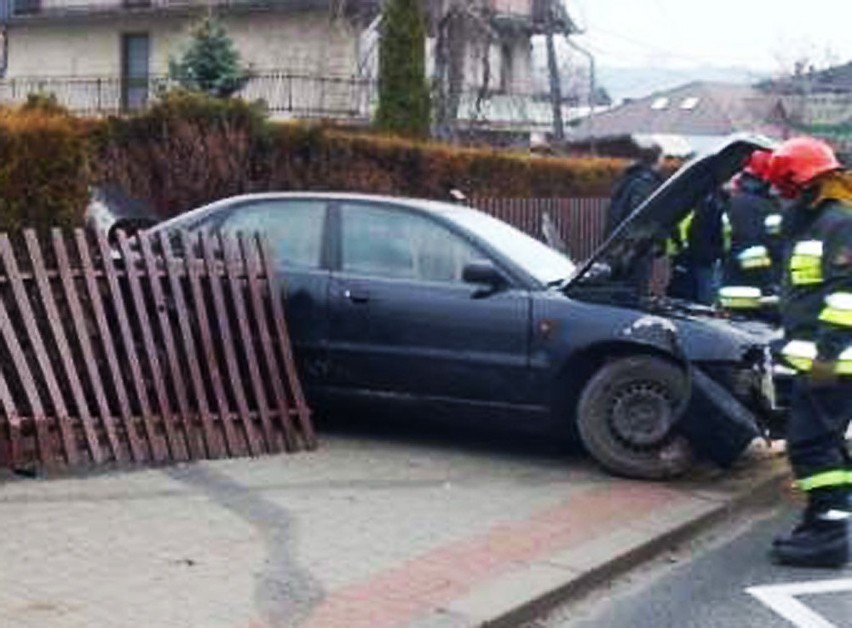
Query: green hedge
[[43, 170], [189, 150]]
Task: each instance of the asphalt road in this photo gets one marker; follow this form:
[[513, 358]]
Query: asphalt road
[[707, 585]]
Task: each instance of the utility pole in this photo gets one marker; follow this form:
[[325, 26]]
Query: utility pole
[[553, 70], [592, 89]]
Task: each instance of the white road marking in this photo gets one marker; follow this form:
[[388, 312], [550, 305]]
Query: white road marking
[[781, 598]]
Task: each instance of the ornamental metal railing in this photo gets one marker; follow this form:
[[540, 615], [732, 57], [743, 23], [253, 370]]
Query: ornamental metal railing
[[285, 94]]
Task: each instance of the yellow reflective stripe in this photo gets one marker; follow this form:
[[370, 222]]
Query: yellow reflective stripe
[[772, 223], [805, 276], [825, 479], [756, 262], [808, 248], [838, 310], [806, 263], [800, 354], [835, 316], [740, 297], [683, 227], [843, 367], [734, 303], [755, 257]]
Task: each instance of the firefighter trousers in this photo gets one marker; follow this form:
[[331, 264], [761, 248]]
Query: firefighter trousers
[[816, 435]]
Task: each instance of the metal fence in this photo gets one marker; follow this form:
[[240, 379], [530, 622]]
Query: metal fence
[[579, 222], [286, 95], [157, 348]]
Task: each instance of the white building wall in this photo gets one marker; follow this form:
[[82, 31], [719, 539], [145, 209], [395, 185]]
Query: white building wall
[[308, 42]]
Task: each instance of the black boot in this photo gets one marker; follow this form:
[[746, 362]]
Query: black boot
[[819, 501], [822, 537], [823, 543]]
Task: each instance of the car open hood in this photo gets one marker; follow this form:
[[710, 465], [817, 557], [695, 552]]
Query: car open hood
[[658, 216]]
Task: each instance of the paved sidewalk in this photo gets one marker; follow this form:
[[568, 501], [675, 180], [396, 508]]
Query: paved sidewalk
[[364, 532]]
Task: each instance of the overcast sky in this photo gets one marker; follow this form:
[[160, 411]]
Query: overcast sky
[[762, 35]]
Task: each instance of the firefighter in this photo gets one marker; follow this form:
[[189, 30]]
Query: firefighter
[[752, 266], [695, 249], [816, 311]]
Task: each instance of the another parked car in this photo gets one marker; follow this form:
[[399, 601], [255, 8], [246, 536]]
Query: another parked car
[[406, 302]]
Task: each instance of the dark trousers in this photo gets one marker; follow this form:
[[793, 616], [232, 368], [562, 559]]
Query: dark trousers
[[816, 435]]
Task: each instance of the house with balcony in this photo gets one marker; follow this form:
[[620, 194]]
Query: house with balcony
[[309, 58]]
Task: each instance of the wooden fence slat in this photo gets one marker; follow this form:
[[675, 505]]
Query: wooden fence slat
[[64, 348], [73, 299], [156, 442], [234, 444], [251, 249], [25, 376], [237, 268], [177, 446], [137, 449], [227, 341], [276, 297], [212, 438], [192, 435], [25, 309], [7, 403]]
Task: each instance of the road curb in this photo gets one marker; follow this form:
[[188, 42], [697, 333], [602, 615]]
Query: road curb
[[530, 593]]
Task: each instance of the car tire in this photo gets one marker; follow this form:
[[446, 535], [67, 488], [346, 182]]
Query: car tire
[[625, 415]]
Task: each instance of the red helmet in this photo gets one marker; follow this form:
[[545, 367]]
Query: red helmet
[[799, 161], [757, 164]]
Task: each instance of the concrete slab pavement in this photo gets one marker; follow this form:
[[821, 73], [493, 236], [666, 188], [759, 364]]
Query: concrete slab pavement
[[364, 532]]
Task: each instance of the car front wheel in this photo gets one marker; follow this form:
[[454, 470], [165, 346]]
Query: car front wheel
[[625, 418]]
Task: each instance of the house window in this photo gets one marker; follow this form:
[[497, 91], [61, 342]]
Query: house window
[[26, 7], [688, 104], [135, 61], [506, 68], [660, 103]]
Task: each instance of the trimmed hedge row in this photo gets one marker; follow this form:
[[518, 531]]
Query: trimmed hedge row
[[189, 150], [43, 170]]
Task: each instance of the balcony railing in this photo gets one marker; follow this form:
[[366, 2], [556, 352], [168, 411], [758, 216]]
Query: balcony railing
[[286, 94], [30, 9]]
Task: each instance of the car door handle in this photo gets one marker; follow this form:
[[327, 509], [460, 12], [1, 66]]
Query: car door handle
[[356, 296]]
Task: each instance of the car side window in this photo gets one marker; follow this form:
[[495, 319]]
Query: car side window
[[383, 242], [293, 228]]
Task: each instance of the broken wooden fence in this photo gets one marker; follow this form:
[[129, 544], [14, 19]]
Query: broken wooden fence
[[151, 349]]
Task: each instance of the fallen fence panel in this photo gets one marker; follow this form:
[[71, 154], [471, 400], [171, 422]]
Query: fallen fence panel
[[160, 348]]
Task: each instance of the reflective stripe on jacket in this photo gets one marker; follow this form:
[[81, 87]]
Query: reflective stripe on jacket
[[816, 299]]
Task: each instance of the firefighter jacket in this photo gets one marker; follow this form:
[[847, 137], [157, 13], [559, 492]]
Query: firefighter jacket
[[752, 266], [816, 297]]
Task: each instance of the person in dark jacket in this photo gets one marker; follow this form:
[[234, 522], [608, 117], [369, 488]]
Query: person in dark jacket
[[816, 311], [696, 248], [707, 245], [636, 184], [754, 260]]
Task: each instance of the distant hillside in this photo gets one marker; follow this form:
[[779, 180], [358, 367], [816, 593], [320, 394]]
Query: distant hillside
[[638, 82], [624, 83]]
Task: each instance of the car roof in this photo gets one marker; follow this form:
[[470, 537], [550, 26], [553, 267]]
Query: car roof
[[423, 205]]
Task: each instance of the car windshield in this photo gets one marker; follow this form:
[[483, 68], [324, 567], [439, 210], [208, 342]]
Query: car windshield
[[545, 264]]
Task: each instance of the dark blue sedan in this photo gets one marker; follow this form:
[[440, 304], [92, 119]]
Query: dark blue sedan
[[436, 306]]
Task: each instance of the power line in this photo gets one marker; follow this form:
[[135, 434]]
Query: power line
[[651, 47]]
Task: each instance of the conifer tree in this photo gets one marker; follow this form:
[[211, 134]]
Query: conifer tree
[[211, 63], [403, 91]]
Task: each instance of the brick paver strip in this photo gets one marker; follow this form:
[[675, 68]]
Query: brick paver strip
[[397, 596]]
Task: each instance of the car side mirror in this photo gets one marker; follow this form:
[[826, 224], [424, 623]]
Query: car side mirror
[[483, 272]]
